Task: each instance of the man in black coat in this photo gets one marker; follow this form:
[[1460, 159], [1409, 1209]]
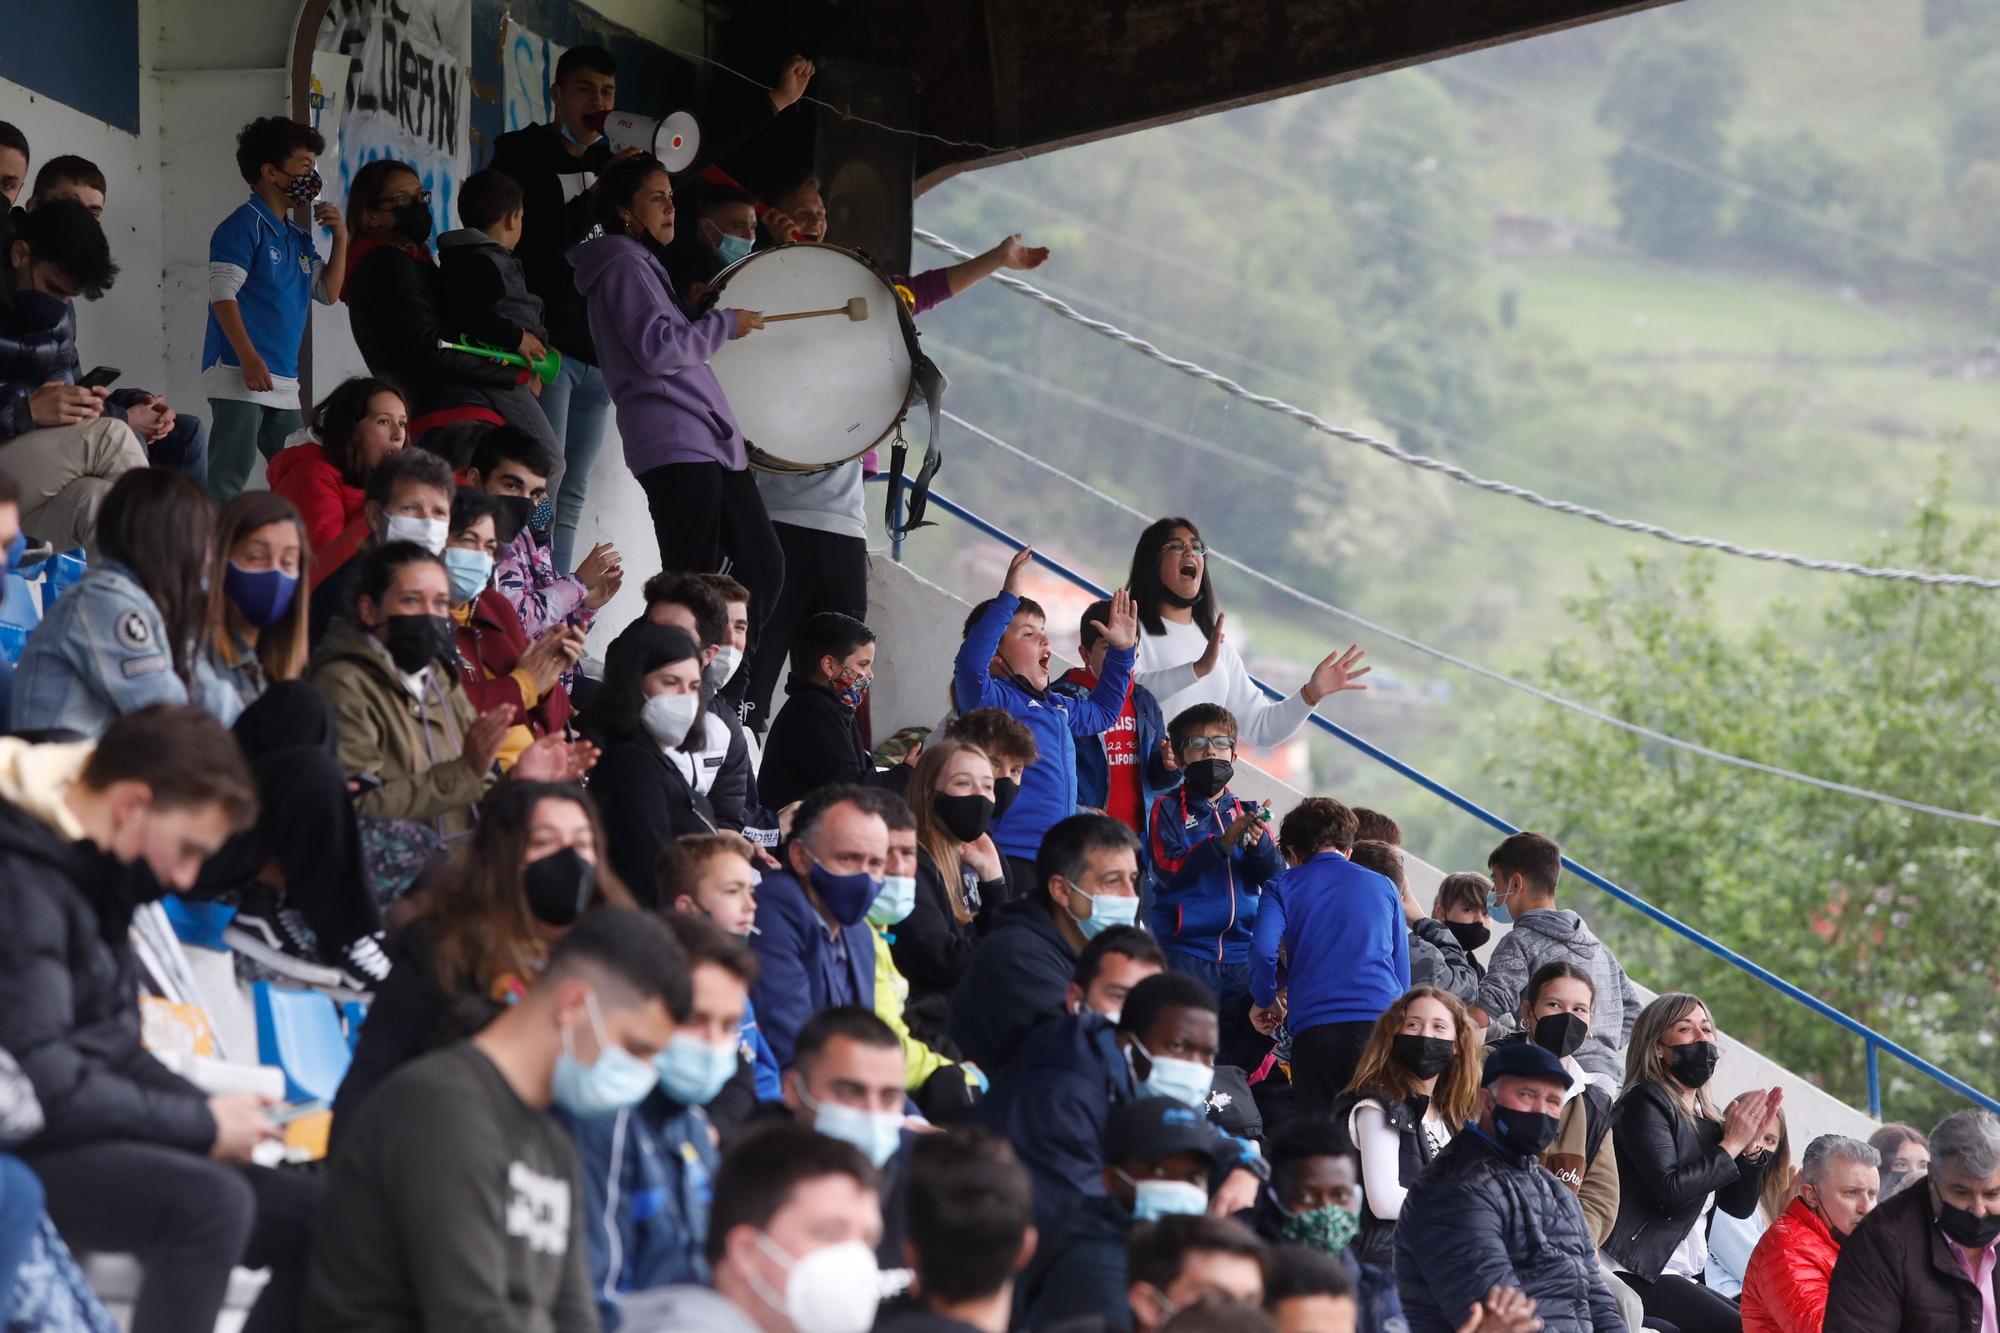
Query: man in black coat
[[134, 1158], [1486, 1227], [1924, 1261]]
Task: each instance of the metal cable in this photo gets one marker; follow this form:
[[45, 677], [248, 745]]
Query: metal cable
[[1312, 420]]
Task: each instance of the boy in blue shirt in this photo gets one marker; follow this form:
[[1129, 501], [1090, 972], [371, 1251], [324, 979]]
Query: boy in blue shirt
[[1004, 663], [1212, 855], [263, 274]]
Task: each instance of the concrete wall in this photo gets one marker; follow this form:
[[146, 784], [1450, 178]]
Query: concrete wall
[[919, 624]]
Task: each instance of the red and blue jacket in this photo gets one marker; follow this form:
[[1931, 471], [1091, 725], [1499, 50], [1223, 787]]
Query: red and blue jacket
[[1205, 902]]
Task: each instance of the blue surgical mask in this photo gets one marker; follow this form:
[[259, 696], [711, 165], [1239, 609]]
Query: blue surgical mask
[[876, 1133], [694, 1071], [544, 513], [847, 897], [1185, 1081], [261, 596], [729, 248], [618, 1081], [1106, 911], [469, 571], [896, 901], [1154, 1199]]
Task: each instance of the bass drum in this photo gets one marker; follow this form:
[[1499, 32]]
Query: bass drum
[[812, 394]]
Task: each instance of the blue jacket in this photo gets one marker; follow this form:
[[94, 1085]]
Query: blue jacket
[[648, 1178], [1079, 1271], [1346, 943], [1019, 977], [1205, 900], [1093, 769], [1048, 788], [102, 652], [1481, 1217], [799, 971], [1054, 1104], [757, 1051]]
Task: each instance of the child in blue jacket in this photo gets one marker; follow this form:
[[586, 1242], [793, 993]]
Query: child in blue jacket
[[1004, 663], [1212, 855]]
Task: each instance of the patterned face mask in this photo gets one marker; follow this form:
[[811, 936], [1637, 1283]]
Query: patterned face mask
[[1328, 1230]]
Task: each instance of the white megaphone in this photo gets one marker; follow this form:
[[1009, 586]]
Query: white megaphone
[[673, 139]]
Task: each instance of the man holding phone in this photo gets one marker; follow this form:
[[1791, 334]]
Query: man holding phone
[[171, 440], [56, 439]]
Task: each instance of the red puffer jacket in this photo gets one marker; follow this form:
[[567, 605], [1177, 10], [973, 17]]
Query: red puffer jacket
[[331, 508], [1784, 1287]]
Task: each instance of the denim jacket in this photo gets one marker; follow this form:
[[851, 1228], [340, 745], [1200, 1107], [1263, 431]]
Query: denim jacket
[[102, 652]]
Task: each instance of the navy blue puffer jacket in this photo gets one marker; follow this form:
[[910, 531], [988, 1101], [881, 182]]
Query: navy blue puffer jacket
[[33, 351], [1481, 1217]]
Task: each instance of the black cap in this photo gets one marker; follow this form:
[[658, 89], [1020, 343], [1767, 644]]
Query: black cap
[[1153, 1129], [1524, 1060]]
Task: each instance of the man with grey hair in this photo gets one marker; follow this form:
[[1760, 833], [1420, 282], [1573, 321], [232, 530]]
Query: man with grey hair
[[1784, 1285], [1924, 1262]]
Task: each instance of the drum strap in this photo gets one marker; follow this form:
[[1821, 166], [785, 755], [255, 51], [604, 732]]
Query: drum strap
[[931, 384]]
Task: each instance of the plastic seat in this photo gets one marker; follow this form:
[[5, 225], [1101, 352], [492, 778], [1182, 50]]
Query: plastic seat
[[353, 1013], [299, 1031], [65, 569]]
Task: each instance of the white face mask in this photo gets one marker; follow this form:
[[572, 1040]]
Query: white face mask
[[727, 658], [834, 1289], [429, 533], [667, 717]]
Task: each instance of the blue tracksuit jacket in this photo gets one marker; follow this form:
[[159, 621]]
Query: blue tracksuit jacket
[[1205, 902], [1346, 943], [1048, 788]]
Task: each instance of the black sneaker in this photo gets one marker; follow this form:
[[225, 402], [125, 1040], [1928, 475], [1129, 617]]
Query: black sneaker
[[366, 962]]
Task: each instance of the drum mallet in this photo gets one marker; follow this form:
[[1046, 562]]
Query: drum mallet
[[856, 310]]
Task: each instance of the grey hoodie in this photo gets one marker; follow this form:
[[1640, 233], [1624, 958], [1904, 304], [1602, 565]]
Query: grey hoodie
[[1551, 935], [683, 1310]]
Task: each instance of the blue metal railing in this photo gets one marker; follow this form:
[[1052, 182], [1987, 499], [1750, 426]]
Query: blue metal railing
[[1874, 1043]]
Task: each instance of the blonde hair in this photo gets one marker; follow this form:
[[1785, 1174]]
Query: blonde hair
[[1779, 1187], [1643, 1061], [1455, 1096], [933, 837]]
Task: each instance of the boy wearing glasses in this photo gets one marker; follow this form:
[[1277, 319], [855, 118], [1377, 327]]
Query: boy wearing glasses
[[1212, 855], [263, 275]]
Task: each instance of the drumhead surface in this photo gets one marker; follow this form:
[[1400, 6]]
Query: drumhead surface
[[812, 393]]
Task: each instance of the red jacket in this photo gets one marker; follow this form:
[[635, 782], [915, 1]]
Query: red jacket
[[490, 645], [335, 527], [1784, 1286]]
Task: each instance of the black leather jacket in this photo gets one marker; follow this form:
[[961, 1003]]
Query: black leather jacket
[[1668, 1165]]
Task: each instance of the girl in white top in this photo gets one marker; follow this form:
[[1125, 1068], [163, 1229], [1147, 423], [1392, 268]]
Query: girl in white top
[[1183, 658], [1417, 1083]]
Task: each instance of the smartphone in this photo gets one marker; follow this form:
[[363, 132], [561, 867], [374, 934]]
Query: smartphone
[[101, 377]]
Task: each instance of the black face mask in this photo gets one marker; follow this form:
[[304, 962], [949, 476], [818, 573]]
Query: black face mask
[[559, 887], [1560, 1034], [1974, 1233], [1426, 1057], [1469, 934], [413, 222], [967, 817], [1206, 777], [1175, 600], [414, 642], [1525, 1132], [515, 511], [1004, 792], [1694, 1064]]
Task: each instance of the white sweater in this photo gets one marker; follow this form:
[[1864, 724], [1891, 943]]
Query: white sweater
[[1166, 667]]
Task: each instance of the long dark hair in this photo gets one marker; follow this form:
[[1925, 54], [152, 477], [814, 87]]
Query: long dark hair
[[160, 525], [337, 421], [643, 647], [283, 647], [1148, 594], [481, 927]]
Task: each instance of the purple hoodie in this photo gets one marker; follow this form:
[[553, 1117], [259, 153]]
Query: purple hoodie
[[670, 407]]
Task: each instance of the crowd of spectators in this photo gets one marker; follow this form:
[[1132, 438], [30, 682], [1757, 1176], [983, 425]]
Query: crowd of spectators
[[683, 1012]]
